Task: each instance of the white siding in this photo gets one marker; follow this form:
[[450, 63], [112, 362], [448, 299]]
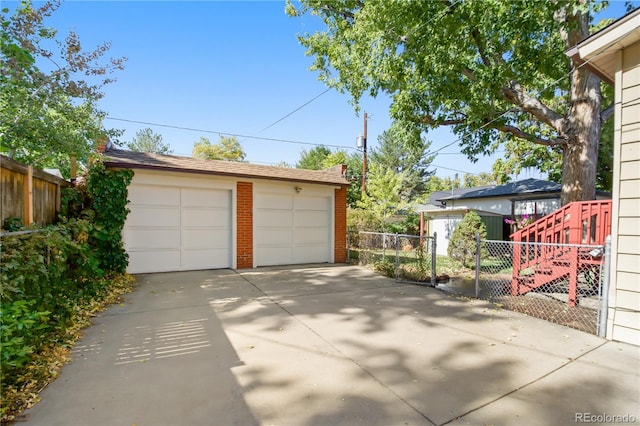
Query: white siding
[[624, 294]]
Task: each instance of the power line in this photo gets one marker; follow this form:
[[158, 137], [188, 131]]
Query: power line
[[295, 110], [191, 129]]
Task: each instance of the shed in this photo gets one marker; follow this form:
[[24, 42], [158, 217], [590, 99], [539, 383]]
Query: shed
[[189, 214]]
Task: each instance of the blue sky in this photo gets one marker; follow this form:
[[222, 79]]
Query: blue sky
[[231, 67]]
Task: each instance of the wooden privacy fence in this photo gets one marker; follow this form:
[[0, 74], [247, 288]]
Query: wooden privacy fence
[[29, 194]]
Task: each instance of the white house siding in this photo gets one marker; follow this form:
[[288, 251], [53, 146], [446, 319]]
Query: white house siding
[[624, 294], [443, 224]]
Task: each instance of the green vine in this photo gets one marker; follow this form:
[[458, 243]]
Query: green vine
[[108, 190]]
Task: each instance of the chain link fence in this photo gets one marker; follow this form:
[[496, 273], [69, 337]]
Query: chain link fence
[[408, 258], [561, 283]]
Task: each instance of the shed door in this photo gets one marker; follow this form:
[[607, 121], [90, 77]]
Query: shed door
[[292, 229], [178, 228]]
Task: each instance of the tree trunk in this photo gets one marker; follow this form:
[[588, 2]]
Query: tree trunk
[[580, 159], [583, 121]]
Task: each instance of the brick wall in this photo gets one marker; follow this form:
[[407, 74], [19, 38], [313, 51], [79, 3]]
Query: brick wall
[[340, 223], [244, 257]]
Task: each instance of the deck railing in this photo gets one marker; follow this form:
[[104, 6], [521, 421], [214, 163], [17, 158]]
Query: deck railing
[[583, 222]]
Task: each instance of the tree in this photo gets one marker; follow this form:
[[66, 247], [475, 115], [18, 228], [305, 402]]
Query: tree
[[146, 140], [314, 159], [48, 116], [227, 149], [404, 151], [383, 197], [462, 245], [486, 68]]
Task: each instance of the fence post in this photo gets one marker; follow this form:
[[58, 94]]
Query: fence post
[[433, 260], [477, 264], [397, 257], [348, 245], [28, 197], [604, 289]]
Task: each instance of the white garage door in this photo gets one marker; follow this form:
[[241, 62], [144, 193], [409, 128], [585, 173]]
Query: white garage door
[[178, 228], [292, 229]]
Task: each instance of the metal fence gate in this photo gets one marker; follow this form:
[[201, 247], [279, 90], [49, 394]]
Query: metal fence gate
[[408, 258]]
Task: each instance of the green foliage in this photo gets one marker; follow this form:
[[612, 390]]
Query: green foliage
[[49, 99], [314, 159], [53, 277], [12, 224], [227, 149], [484, 68], [146, 140], [108, 190], [383, 198], [403, 150], [462, 246], [362, 220], [386, 267], [20, 329]]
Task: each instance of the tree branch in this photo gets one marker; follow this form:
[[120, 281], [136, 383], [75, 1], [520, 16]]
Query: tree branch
[[428, 119], [475, 34], [607, 112], [529, 137], [533, 106]]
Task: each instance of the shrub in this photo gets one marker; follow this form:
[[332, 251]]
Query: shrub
[[386, 267], [462, 246]]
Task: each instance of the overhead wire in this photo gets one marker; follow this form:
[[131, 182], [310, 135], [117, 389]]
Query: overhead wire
[[437, 151]]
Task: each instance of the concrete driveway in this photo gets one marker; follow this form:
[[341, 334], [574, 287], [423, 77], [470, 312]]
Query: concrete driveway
[[331, 345]]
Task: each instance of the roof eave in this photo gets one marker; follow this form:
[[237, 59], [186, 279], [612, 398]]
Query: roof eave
[[127, 165]]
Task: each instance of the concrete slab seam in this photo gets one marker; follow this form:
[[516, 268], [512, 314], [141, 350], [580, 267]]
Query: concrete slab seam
[[536, 380], [346, 357]]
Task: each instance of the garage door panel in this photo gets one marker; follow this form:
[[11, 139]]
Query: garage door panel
[[295, 228], [148, 216], [206, 198], [317, 236], [154, 195], [205, 217], [205, 239], [271, 217], [311, 203], [178, 228], [154, 261], [319, 218], [273, 201], [274, 237], [311, 254], [275, 256], [143, 239], [205, 259]]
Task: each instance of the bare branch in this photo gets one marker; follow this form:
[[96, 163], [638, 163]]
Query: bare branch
[[607, 113]]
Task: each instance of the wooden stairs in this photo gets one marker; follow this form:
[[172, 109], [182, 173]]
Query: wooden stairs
[[556, 255]]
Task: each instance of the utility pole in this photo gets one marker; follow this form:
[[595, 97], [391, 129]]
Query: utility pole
[[364, 157]]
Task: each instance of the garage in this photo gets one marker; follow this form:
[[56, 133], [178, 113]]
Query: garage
[[292, 228], [191, 214], [173, 228]]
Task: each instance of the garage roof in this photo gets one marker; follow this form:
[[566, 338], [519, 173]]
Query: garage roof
[[145, 160]]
